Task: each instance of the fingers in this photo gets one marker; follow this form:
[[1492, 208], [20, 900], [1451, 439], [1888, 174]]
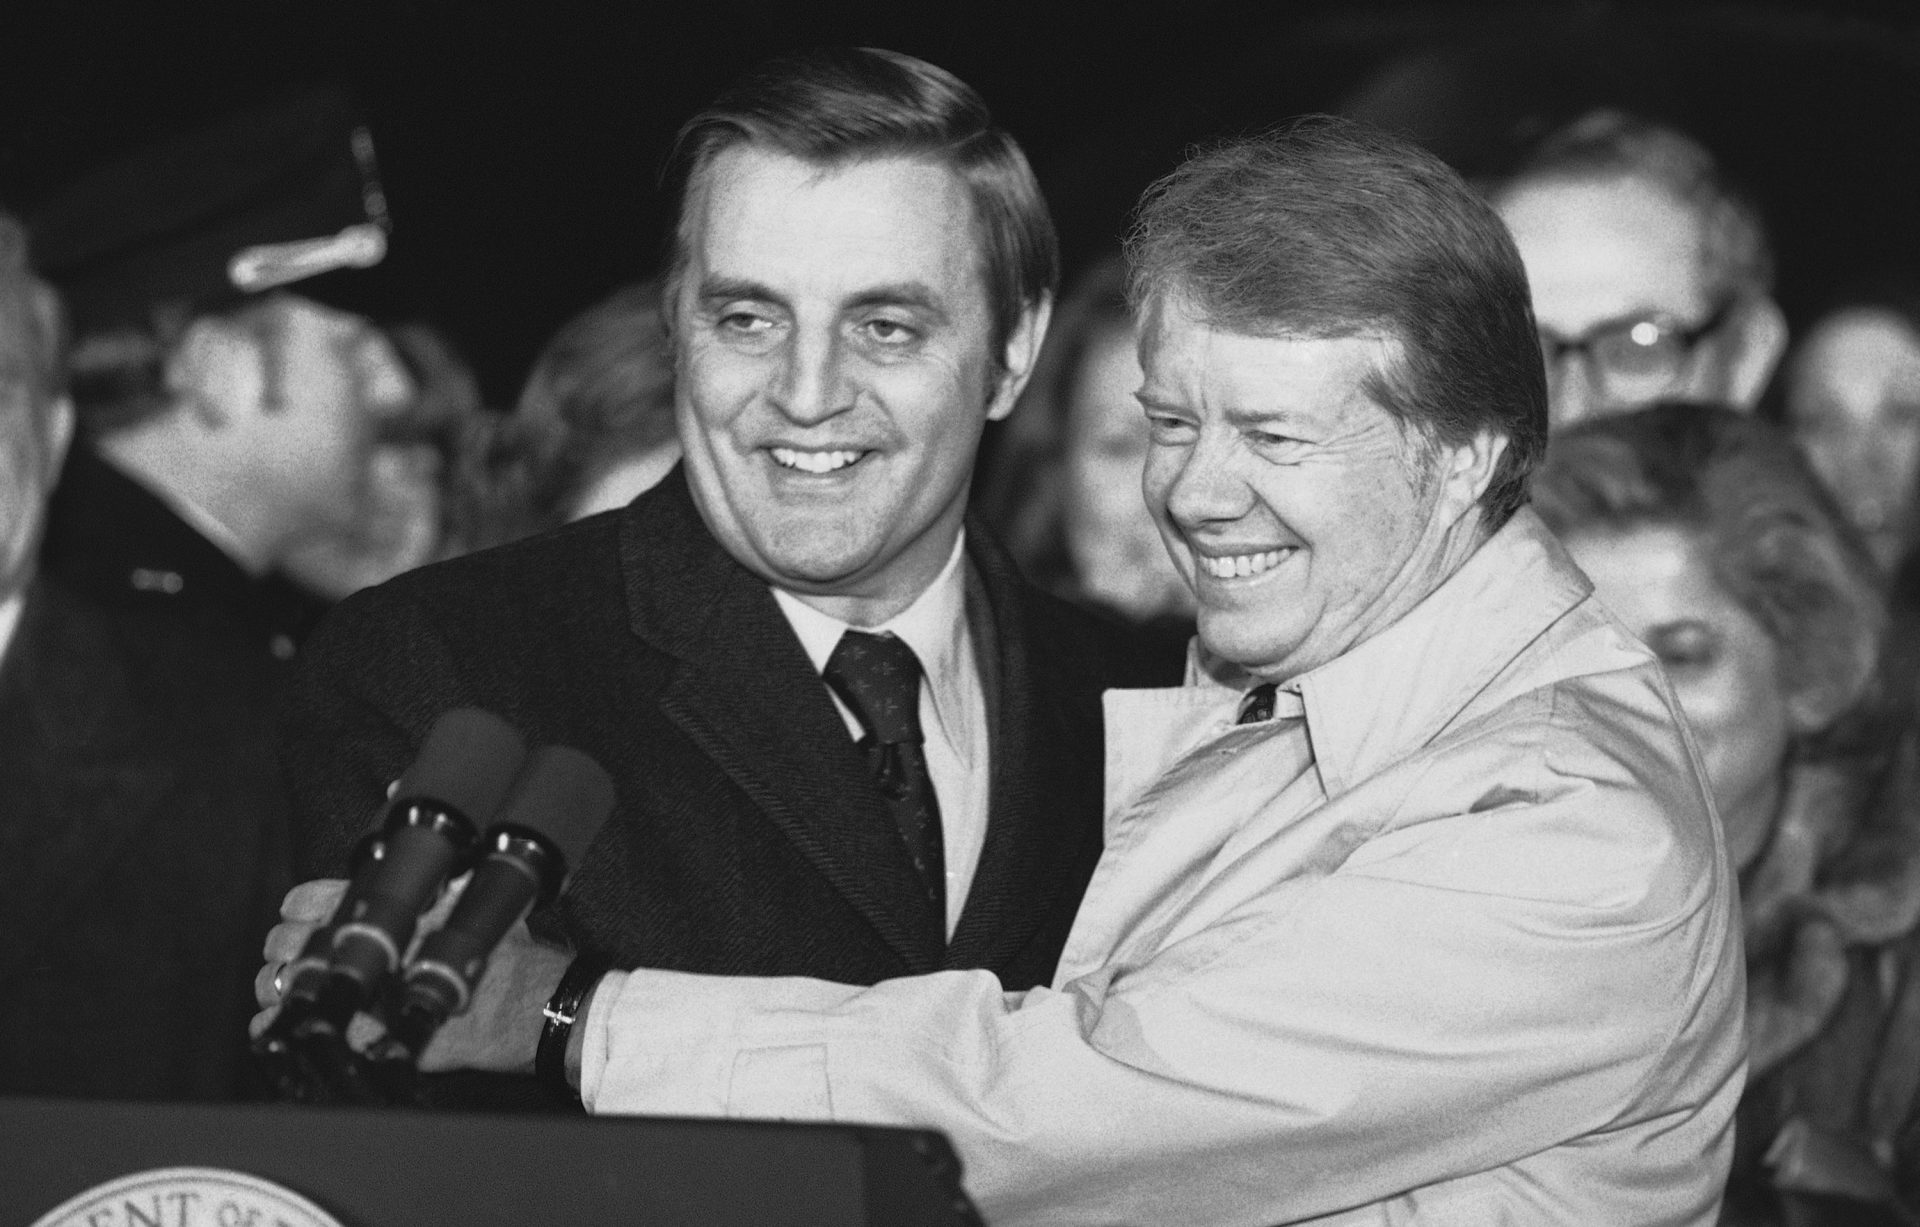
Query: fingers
[[305, 908], [364, 1031], [286, 940], [313, 901], [267, 985]]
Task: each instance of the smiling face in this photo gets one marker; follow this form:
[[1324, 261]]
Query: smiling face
[[834, 371], [1724, 667], [1303, 516]]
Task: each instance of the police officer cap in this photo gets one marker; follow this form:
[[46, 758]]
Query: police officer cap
[[254, 201]]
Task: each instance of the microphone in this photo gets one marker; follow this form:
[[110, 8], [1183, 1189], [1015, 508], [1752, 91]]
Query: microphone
[[555, 807], [429, 828]]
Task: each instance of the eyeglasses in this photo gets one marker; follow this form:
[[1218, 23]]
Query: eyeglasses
[[1639, 357]]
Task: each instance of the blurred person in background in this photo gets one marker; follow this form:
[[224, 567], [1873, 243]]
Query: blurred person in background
[[601, 393], [1651, 276], [594, 427], [1063, 486], [227, 423], [142, 827], [1705, 533], [1852, 399], [414, 508]]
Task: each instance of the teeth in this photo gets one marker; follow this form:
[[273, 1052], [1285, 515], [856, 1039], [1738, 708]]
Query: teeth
[[813, 462], [1240, 566]]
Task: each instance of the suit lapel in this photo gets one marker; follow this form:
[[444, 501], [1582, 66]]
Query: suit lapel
[[1033, 838], [76, 777], [748, 696]]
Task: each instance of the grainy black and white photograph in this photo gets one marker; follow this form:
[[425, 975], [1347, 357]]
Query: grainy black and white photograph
[[995, 615]]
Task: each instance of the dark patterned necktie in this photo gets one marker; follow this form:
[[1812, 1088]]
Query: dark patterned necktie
[[878, 678], [1257, 704]]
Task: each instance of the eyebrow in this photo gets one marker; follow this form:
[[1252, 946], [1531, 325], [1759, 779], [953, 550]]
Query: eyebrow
[[1635, 315], [712, 288], [1235, 416], [914, 294], [1262, 417]]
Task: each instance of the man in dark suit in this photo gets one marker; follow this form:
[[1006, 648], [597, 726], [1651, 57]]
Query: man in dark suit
[[861, 279], [142, 828]]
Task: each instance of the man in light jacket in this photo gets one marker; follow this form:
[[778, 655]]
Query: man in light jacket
[[1413, 906]]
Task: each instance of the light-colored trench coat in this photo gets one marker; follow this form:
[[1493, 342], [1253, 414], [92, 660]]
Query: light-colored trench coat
[[1451, 939]]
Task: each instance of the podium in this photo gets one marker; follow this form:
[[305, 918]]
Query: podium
[[406, 1168]]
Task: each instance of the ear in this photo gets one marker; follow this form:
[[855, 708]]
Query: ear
[[218, 373], [1466, 470], [1023, 350], [1816, 704], [1816, 698], [1757, 341], [59, 432]]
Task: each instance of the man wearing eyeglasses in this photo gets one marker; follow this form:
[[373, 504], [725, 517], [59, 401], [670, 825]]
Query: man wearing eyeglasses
[[1651, 276]]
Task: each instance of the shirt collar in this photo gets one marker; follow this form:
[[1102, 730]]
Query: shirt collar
[[10, 619], [1391, 694], [934, 626]]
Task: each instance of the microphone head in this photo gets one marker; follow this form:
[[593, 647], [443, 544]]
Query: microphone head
[[563, 795], [467, 762]]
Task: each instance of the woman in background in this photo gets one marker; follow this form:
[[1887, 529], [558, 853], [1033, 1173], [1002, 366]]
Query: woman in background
[[593, 428], [600, 396], [1852, 399], [1705, 533], [1062, 486]]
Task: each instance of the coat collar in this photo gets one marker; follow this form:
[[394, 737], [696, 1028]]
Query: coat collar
[[1391, 694]]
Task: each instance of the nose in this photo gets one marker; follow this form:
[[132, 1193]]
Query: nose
[[1206, 487], [385, 386], [1571, 396], [811, 386]]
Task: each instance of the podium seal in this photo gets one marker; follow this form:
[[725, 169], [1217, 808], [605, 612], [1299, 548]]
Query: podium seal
[[188, 1197]]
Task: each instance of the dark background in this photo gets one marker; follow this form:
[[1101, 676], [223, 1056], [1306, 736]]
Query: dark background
[[519, 142]]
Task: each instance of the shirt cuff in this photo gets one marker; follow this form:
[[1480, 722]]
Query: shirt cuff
[[595, 1042]]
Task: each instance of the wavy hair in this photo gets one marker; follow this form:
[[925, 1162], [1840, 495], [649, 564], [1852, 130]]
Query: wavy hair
[[835, 106], [1328, 228]]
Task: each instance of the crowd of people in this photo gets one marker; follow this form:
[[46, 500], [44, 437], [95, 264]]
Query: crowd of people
[[1412, 716]]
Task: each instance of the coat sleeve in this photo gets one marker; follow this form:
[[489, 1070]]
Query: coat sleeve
[[1328, 1045], [366, 687]]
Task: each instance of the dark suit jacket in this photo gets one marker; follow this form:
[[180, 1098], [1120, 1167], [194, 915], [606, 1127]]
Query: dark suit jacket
[[142, 854], [748, 838], [111, 539]]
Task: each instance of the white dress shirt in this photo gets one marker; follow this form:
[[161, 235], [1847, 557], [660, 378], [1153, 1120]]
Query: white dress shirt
[[953, 707], [9, 620]]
